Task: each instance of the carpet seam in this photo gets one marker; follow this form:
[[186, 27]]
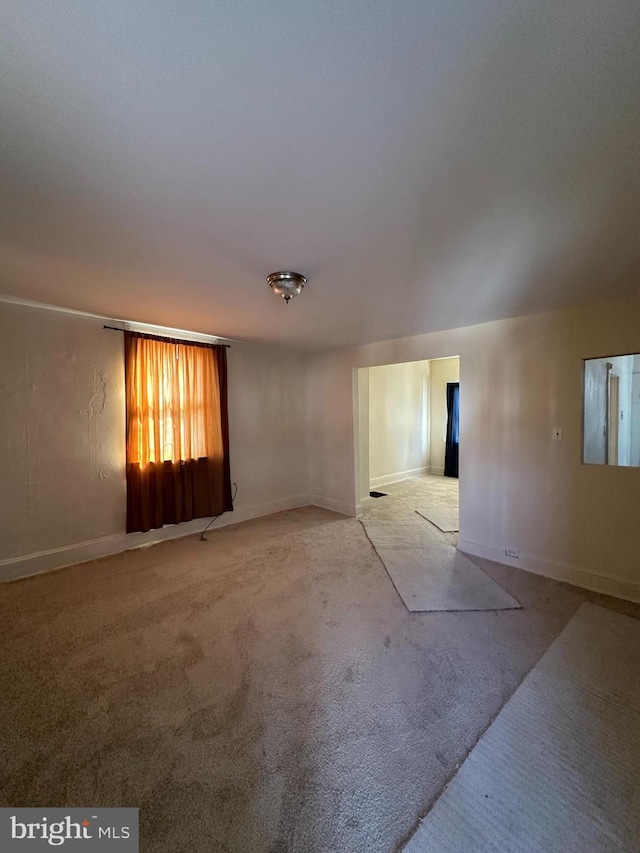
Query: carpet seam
[[407, 838]]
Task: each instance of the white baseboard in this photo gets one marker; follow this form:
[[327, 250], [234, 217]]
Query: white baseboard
[[434, 470], [566, 572], [82, 552], [335, 506], [398, 477]]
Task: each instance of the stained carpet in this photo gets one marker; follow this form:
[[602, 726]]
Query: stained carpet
[[266, 691]]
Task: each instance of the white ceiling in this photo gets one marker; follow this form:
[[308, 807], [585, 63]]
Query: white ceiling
[[425, 163]]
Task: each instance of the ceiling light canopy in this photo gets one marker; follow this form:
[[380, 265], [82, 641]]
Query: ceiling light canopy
[[286, 284]]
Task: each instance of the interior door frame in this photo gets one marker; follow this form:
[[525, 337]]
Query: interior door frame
[[612, 421], [360, 421]]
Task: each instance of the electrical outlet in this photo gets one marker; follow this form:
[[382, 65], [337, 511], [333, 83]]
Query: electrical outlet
[[558, 434], [317, 490], [512, 552]]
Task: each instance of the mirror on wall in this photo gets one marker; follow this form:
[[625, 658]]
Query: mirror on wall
[[612, 410]]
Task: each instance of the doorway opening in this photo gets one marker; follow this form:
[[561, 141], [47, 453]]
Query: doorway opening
[[407, 441]]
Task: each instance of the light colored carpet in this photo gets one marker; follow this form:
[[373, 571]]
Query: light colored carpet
[[428, 490], [444, 518], [261, 692], [430, 574], [559, 769]]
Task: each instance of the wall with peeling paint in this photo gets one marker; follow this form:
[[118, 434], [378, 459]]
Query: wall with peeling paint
[[62, 437], [61, 430]]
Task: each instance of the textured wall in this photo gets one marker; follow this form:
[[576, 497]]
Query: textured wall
[[62, 430]]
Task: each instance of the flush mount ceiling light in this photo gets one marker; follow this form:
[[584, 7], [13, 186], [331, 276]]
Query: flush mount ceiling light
[[286, 284]]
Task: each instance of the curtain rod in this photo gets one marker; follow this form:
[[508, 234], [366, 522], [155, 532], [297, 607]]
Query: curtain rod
[[166, 337]]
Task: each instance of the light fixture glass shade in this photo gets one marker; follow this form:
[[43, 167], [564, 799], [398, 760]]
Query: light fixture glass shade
[[286, 284]]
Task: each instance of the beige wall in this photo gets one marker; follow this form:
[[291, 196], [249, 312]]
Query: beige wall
[[398, 422], [518, 487], [62, 439], [361, 431], [442, 370], [62, 429]]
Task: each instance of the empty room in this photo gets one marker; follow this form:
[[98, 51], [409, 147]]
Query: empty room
[[408, 441], [320, 426]]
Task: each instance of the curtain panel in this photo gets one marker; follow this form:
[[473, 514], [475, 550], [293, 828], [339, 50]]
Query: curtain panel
[[452, 448], [177, 431]]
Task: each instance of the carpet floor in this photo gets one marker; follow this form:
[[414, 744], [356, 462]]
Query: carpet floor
[[407, 497], [445, 520], [558, 768], [429, 573], [265, 691]]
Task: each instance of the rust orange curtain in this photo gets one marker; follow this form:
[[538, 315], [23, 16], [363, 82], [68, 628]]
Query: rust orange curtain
[[177, 431]]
